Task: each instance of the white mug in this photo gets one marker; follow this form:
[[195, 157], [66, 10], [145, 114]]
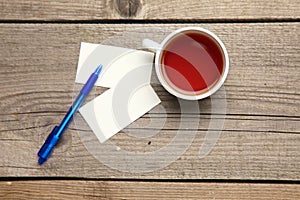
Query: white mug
[[161, 48]]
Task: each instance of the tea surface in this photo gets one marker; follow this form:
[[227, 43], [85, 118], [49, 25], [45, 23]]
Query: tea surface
[[192, 62]]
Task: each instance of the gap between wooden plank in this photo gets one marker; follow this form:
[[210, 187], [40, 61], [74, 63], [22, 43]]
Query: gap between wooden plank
[[153, 21], [145, 190], [233, 181]]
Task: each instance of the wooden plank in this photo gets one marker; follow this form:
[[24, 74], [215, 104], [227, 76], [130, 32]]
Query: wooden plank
[[216, 10], [145, 190], [155, 9], [237, 155], [261, 132], [263, 77]]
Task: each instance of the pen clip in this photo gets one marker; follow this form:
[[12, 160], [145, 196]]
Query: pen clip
[[47, 147]]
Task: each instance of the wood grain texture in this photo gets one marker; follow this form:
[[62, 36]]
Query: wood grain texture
[[144, 190], [261, 132], [149, 9]]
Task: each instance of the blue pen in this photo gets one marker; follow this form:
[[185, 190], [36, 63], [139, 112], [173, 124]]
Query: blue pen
[[57, 132]]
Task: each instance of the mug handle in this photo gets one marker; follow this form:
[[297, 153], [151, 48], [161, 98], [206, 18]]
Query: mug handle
[[151, 45]]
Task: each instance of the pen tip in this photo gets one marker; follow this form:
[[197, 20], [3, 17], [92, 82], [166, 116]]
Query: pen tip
[[98, 70]]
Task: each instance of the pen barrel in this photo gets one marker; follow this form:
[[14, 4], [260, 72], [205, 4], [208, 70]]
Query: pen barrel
[[69, 116], [78, 101], [89, 84]]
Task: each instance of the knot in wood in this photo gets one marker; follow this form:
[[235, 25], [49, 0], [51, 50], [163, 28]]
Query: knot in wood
[[127, 8]]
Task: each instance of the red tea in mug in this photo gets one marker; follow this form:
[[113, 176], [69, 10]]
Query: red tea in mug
[[192, 62]]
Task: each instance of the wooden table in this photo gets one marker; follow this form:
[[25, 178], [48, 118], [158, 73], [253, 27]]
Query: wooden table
[[257, 154]]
